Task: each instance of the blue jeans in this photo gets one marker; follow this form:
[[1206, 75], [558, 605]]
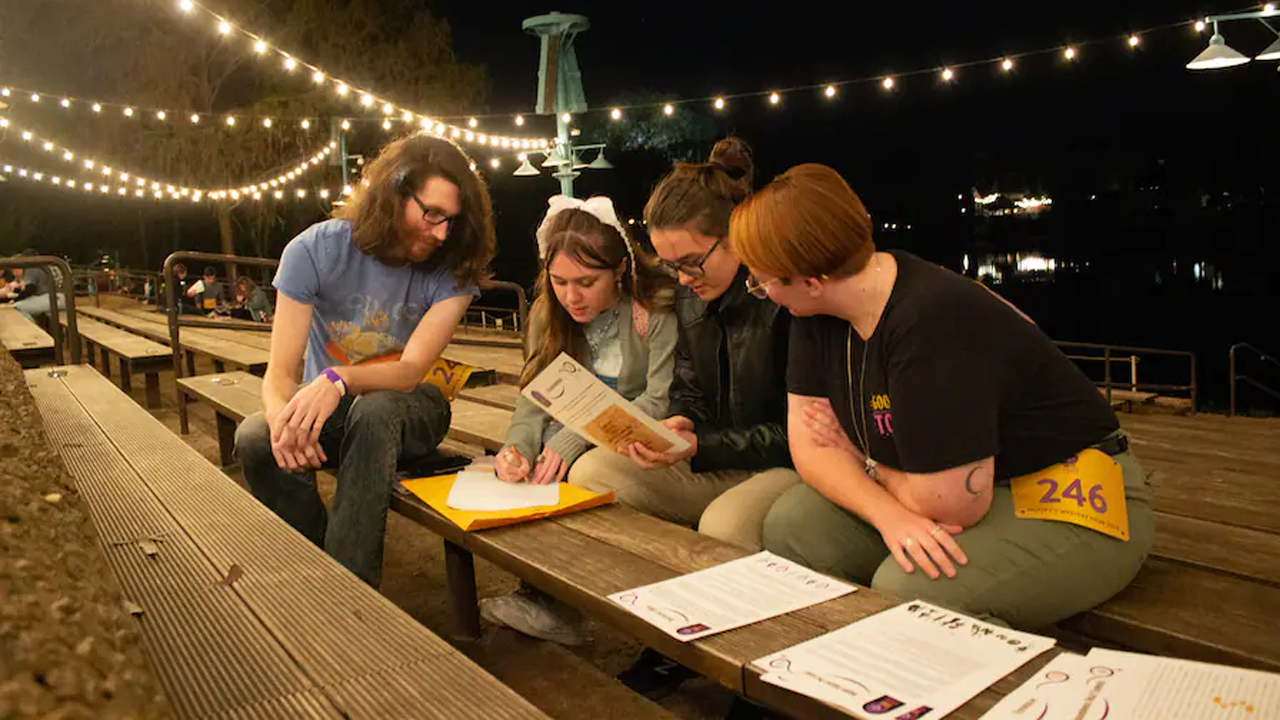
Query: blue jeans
[[365, 438], [36, 307]]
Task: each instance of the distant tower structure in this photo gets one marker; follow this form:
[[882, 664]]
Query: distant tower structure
[[559, 84]]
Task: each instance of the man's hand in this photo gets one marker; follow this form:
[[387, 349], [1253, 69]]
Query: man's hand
[[295, 430], [647, 459]]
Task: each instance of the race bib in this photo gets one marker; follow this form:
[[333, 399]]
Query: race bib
[[450, 376], [1087, 490], [210, 303]]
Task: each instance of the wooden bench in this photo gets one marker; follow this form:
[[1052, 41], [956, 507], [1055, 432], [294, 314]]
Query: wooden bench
[[222, 352], [241, 615], [29, 344], [135, 354], [236, 395]]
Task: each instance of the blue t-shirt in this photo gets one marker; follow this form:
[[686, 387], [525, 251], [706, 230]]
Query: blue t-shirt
[[361, 308]]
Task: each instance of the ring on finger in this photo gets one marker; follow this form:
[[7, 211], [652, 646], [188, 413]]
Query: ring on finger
[[934, 532]]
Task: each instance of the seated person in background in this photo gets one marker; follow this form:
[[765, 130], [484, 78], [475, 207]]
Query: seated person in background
[[9, 285], [34, 286], [372, 297], [604, 302], [209, 293], [251, 301], [925, 414], [728, 398], [183, 283]]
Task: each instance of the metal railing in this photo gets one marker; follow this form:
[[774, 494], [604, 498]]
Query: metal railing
[[1109, 356], [63, 281], [1235, 377]]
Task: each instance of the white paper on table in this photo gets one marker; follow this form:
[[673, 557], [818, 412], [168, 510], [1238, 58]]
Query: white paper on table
[[915, 660], [1153, 688], [1070, 687], [570, 393], [476, 490], [730, 595]]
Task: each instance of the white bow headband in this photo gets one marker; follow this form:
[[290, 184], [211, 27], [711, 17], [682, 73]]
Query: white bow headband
[[600, 207]]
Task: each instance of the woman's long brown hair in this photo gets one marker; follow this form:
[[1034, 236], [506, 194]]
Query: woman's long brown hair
[[592, 244], [376, 209]]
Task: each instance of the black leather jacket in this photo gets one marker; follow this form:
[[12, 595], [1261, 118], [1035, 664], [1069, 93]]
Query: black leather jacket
[[730, 378]]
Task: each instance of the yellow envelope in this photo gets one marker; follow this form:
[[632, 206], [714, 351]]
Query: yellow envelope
[[434, 491]]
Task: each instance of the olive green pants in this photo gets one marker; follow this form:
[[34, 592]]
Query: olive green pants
[[1024, 573]]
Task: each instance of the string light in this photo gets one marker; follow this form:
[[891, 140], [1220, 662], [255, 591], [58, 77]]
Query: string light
[[388, 109], [887, 83], [266, 122], [224, 28], [718, 104], [495, 163], [97, 107], [615, 114], [519, 121], [317, 77], [1134, 41], [1200, 26], [668, 110], [195, 119], [1069, 53], [948, 74], [186, 5], [260, 47], [1007, 65], [290, 64], [830, 91], [472, 122], [231, 121], [306, 124], [128, 112], [161, 115], [65, 103], [774, 98]]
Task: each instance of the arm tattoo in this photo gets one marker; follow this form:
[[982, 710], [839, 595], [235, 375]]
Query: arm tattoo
[[968, 482]]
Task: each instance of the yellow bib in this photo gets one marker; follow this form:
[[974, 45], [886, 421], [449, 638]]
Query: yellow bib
[[1087, 490]]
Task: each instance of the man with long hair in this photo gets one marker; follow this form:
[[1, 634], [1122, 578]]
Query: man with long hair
[[371, 297]]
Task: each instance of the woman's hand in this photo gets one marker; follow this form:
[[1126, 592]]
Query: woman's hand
[[511, 466], [550, 468], [295, 431], [647, 459], [825, 427], [916, 540]]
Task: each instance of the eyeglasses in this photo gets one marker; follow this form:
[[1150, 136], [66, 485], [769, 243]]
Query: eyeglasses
[[759, 289], [432, 216], [693, 270]]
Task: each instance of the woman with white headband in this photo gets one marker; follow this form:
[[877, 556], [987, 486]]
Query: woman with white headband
[[606, 303]]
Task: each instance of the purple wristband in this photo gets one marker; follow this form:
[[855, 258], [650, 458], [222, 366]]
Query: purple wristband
[[333, 377]]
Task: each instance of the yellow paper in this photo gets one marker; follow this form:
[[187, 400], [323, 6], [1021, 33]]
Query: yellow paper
[[1087, 490], [434, 491]]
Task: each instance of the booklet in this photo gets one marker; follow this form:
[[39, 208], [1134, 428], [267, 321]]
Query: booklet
[[570, 393], [730, 595], [912, 661]]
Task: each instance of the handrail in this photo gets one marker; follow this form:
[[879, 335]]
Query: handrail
[[68, 289], [175, 318], [1134, 385], [1231, 362]]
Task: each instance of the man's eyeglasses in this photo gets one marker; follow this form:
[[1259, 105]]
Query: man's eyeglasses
[[759, 289], [432, 216], [693, 270]]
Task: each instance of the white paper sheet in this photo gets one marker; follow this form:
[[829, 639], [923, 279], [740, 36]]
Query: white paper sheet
[[915, 660], [1153, 688], [730, 595], [1071, 687], [479, 490], [580, 401]]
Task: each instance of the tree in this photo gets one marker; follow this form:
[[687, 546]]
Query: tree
[[152, 55], [684, 135]]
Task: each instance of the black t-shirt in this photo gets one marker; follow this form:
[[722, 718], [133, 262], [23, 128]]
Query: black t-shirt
[[953, 375]]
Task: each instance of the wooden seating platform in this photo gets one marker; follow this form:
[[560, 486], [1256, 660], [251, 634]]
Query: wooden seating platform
[[29, 344], [222, 351], [134, 354], [502, 397], [236, 395], [242, 616]]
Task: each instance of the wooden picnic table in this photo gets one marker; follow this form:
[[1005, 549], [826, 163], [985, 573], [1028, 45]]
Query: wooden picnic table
[[26, 341]]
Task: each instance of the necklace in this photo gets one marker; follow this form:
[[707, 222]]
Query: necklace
[[599, 330], [864, 435]]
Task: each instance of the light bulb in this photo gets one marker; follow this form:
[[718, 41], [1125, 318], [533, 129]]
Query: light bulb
[[366, 100], [347, 190], [121, 191], [224, 27], [388, 108], [231, 121], [35, 97], [948, 74], [830, 91], [266, 122], [718, 103], [128, 112], [306, 124], [407, 117], [615, 114], [279, 194], [455, 132], [346, 124], [124, 177], [343, 89], [473, 167], [1069, 53], [186, 6], [1134, 41], [68, 156], [48, 147], [302, 193], [774, 98], [290, 64], [161, 115], [495, 164], [668, 110], [195, 119], [257, 196], [520, 121], [325, 193], [888, 83], [472, 122], [566, 117], [386, 124], [26, 136], [97, 108], [482, 139], [1200, 26], [65, 103], [6, 92], [260, 46], [506, 142], [106, 171], [317, 77], [1007, 64], [471, 136]]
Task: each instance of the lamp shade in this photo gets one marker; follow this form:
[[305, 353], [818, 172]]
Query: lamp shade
[[526, 169], [1271, 53], [1217, 55], [555, 159], [600, 163]]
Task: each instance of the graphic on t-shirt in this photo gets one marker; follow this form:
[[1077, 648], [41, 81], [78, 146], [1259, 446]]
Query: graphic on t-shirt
[[351, 342], [882, 410]]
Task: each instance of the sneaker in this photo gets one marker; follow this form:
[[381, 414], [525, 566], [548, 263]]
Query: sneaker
[[536, 614], [655, 676]]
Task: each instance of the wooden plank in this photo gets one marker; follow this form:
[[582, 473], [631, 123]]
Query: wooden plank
[[333, 629], [502, 397], [1251, 554], [1240, 497], [478, 424], [219, 348], [508, 362], [235, 394], [1173, 609], [19, 334], [119, 342]]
